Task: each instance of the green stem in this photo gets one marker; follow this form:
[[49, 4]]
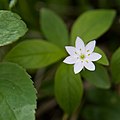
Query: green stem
[[65, 116]]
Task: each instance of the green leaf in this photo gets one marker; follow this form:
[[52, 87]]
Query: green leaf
[[93, 112], [105, 104], [92, 24], [17, 94], [108, 98], [115, 66], [33, 54], [99, 77], [12, 3], [103, 60], [53, 28], [68, 88], [11, 27]]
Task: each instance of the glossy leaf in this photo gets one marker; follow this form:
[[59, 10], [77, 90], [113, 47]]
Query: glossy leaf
[[68, 88], [11, 27], [103, 60], [33, 54], [115, 66], [17, 94], [92, 24], [99, 77], [53, 28]]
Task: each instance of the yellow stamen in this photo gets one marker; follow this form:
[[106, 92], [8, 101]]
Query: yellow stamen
[[82, 56]]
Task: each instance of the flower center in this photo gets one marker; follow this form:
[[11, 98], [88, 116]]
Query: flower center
[[82, 56]]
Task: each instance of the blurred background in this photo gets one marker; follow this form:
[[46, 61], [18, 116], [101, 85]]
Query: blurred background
[[97, 104], [69, 10]]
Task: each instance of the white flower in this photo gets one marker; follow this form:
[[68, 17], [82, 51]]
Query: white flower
[[82, 56]]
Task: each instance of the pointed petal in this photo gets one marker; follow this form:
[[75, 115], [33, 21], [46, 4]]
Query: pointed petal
[[71, 50], [78, 67], [70, 60], [94, 56], [89, 65], [90, 47], [79, 44]]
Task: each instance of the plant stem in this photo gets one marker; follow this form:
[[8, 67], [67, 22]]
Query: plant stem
[[65, 116]]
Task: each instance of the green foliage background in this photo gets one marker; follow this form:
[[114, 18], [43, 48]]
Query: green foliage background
[[33, 34]]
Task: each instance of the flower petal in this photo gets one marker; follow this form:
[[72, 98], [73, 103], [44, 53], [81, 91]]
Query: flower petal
[[94, 56], [71, 50], [80, 44], [89, 65], [70, 60], [90, 47], [78, 66]]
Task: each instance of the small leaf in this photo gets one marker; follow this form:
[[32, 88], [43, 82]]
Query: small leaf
[[92, 24], [68, 88], [99, 77], [53, 28], [11, 27], [103, 60], [12, 3], [115, 66], [17, 94], [33, 54]]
